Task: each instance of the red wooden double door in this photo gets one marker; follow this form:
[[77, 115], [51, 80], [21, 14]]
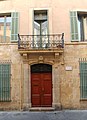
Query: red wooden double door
[[41, 89]]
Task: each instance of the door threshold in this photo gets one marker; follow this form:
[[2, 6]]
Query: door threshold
[[42, 109]]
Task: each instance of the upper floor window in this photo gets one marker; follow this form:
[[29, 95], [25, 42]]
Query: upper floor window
[[78, 26], [5, 28], [40, 22], [40, 28], [8, 27]]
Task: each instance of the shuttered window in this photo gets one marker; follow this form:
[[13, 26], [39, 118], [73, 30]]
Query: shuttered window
[[14, 26], [5, 25], [9, 27], [5, 72], [74, 26], [83, 79]]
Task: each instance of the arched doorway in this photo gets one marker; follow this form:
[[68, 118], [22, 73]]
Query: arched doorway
[[41, 85]]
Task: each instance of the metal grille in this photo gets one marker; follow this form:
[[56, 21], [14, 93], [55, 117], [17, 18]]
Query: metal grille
[[5, 71], [41, 68], [41, 41], [83, 78]]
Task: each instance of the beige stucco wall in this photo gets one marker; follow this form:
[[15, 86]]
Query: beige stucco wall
[[58, 13], [66, 83]]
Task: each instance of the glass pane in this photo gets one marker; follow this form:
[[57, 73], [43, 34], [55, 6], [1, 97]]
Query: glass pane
[[41, 68], [36, 34], [44, 32], [40, 15], [36, 28], [8, 28], [1, 29], [44, 28], [5, 23]]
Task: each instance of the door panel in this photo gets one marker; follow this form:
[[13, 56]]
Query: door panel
[[35, 89], [47, 89], [41, 89]]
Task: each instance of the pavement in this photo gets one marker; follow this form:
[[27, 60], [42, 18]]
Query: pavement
[[53, 115]]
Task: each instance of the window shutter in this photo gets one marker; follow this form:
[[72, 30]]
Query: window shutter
[[74, 26], [5, 82], [14, 26], [83, 80]]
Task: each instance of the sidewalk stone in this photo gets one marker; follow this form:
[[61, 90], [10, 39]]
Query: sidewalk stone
[[55, 115]]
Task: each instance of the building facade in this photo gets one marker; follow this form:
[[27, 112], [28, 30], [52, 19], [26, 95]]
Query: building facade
[[43, 54]]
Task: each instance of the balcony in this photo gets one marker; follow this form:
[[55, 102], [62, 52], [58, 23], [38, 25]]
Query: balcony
[[41, 43]]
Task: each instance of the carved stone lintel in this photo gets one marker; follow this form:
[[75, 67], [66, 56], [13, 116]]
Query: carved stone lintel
[[32, 62]]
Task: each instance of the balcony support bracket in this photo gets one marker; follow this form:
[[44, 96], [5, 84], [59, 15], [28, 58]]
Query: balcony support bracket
[[25, 56]]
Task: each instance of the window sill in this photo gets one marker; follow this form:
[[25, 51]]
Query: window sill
[[8, 44], [76, 43], [5, 101], [83, 99]]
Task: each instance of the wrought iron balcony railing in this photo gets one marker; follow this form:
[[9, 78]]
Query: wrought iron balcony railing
[[41, 41]]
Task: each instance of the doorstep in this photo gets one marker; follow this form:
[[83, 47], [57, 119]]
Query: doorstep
[[42, 109]]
